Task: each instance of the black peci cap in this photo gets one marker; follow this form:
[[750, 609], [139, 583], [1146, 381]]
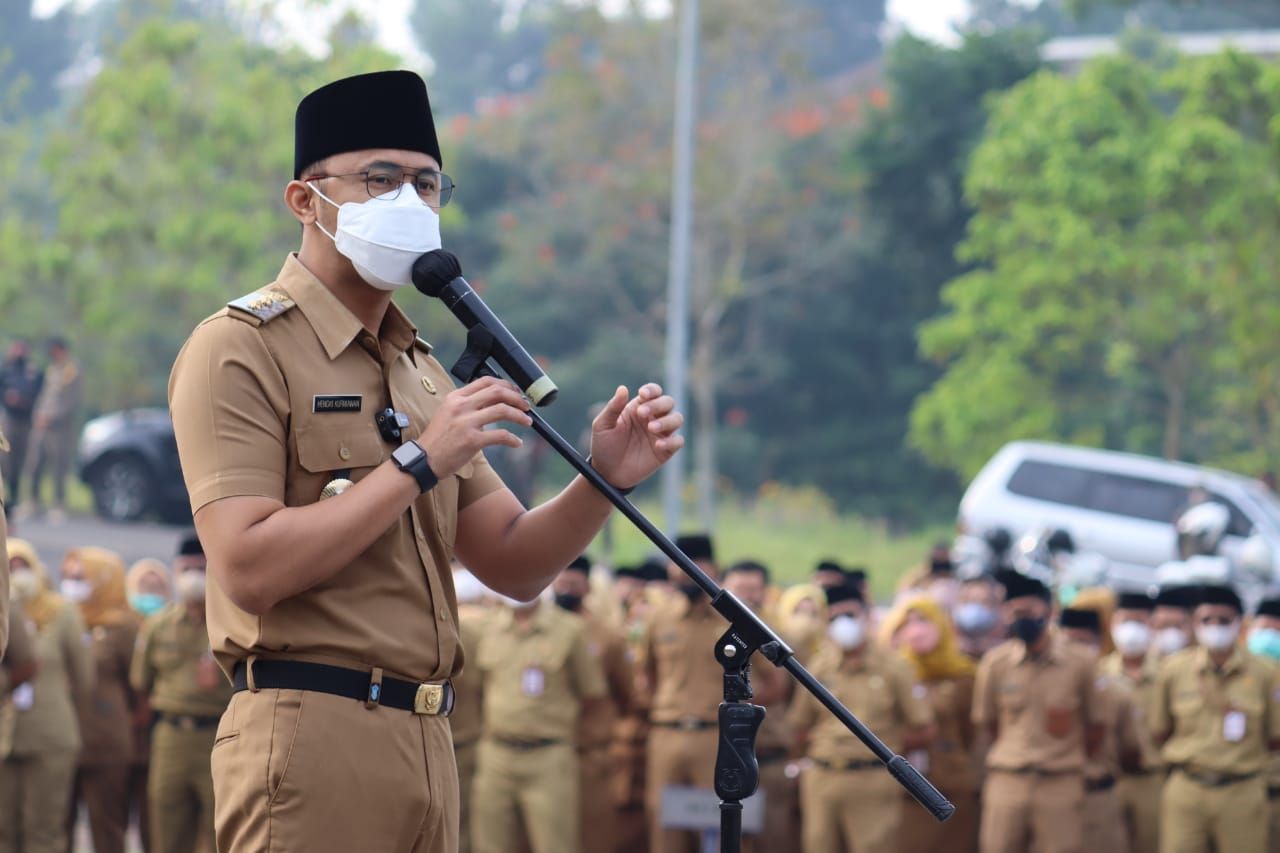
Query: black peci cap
[[1218, 594], [1018, 585], [1269, 607], [580, 564], [190, 545], [1135, 601], [654, 569], [844, 592], [1087, 619], [1181, 597], [633, 572], [697, 546], [385, 109]]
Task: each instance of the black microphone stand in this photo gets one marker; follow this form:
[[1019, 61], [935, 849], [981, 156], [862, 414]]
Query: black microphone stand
[[737, 772]]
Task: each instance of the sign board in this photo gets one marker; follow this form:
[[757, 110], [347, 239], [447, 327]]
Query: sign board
[[698, 809]]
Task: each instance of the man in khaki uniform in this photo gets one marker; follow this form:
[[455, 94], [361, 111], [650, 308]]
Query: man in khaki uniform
[[53, 437], [628, 752], [1037, 700], [686, 685], [538, 672], [1264, 641], [467, 720], [173, 666], [4, 564], [1171, 628], [849, 803], [598, 808], [333, 473], [1216, 711], [1134, 665]]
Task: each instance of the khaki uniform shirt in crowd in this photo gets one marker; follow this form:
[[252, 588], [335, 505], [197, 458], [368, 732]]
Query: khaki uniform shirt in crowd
[[278, 398], [1040, 706], [1142, 689], [21, 652], [949, 761], [680, 644], [607, 645], [106, 714], [4, 563], [45, 720], [1221, 721], [60, 395], [1121, 746], [168, 667], [536, 676], [879, 688], [468, 686]]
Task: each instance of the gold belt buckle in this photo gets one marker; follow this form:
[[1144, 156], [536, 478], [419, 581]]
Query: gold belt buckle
[[429, 699]]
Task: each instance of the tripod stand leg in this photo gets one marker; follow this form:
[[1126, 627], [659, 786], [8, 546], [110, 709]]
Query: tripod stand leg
[[730, 827]]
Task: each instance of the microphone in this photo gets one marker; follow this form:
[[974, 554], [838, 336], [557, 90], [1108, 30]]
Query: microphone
[[438, 274]]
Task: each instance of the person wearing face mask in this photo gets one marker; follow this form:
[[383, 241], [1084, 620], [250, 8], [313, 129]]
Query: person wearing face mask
[[685, 686], [1036, 700], [802, 619], [1121, 747], [920, 631], [1134, 664], [149, 591], [333, 471], [848, 802], [598, 808], [1216, 714], [1264, 642], [1171, 628], [93, 579], [538, 676], [39, 735], [976, 615], [173, 666]]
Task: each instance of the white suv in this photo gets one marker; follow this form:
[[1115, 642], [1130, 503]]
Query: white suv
[[1119, 505]]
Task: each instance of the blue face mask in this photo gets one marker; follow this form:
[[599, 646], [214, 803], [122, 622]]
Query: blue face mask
[[1265, 642], [974, 618], [147, 603]]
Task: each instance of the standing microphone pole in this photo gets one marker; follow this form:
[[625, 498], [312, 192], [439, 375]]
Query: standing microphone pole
[[737, 771]]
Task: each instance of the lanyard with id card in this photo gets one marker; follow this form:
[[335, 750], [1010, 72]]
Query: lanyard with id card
[[1233, 726]]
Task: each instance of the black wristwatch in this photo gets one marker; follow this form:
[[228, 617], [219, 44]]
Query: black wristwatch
[[412, 459]]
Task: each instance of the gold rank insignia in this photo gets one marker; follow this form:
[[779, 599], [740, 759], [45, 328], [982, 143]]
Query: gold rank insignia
[[429, 385], [266, 304]]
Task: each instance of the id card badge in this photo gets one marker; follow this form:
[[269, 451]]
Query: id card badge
[[24, 696], [1233, 726], [919, 759], [532, 681]]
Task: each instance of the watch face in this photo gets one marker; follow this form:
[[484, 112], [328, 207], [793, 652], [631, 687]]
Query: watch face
[[407, 454]]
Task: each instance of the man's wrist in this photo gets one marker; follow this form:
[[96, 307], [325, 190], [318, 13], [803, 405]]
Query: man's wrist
[[619, 489], [412, 460]]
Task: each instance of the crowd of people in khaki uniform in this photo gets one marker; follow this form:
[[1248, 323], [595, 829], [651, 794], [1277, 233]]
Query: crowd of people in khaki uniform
[[333, 686]]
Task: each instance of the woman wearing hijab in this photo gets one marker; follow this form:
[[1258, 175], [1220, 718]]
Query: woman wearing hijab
[[149, 589], [39, 732], [802, 619], [93, 578], [921, 632]]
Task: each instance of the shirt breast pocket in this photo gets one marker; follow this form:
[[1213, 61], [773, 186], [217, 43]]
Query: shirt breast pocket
[[326, 449]]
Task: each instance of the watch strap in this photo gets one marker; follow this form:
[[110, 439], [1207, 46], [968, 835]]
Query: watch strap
[[419, 469]]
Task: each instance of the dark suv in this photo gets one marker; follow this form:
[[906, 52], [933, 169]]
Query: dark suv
[[129, 460]]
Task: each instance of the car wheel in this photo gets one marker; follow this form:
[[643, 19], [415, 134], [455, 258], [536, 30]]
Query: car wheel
[[122, 488]]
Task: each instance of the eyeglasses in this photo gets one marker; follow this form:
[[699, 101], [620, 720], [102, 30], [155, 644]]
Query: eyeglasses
[[384, 182]]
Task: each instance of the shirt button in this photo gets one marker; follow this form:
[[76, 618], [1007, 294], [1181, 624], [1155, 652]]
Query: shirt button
[[444, 614], [344, 454]]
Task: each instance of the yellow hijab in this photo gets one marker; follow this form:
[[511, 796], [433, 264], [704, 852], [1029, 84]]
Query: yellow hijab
[[45, 604], [1102, 601], [805, 637], [142, 568], [945, 661], [104, 570]]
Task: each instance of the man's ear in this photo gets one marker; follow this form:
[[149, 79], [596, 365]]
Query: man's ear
[[297, 197]]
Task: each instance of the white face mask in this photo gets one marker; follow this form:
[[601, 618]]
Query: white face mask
[[1170, 640], [1131, 638], [847, 632], [23, 584], [383, 237], [75, 591], [1217, 638], [190, 586]]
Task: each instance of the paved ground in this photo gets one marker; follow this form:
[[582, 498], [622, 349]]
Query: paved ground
[[131, 541]]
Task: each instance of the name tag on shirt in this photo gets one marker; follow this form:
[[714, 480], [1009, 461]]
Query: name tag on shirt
[[919, 759], [1233, 726], [336, 403], [24, 696], [532, 682]]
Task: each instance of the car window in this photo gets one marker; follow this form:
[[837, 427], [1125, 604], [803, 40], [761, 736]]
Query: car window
[[1240, 525], [1045, 481], [1136, 497]]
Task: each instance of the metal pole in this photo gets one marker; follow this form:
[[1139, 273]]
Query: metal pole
[[681, 237]]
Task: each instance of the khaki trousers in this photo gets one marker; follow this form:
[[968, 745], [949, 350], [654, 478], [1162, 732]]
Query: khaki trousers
[[919, 832], [35, 791], [1140, 802], [465, 756], [677, 757], [1196, 818], [1104, 827], [104, 790], [18, 432], [599, 816], [1273, 838], [525, 794], [51, 446], [180, 789], [781, 808], [849, 811], [303, 771], [1020, 810]]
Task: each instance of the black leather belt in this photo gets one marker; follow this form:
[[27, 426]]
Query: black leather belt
[[685, 724], [771, 756], [368, 687], [187, 722], [1215, 780], [526, 744], [1273, 792], [1106, 783], [860, 764], [1036, 771]]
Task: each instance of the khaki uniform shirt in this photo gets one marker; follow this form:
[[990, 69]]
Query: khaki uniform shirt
[[167, 666], [46, 721], [1221, 721], [60, 394], [21, 652], [106, 714], [1040, 706], [949, 761], [1142, 689], [680, 645], [607, 645], [4, 563], [536, 676], [280, 406], [1121, 742], [880, 689], [467, 718]]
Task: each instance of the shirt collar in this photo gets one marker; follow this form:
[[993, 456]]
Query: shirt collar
[[1052, 654], [541, 618], [1234, 663], [336, 326]]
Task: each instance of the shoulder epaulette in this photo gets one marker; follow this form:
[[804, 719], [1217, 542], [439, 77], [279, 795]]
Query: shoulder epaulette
[[262, 305], [422, 345]]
